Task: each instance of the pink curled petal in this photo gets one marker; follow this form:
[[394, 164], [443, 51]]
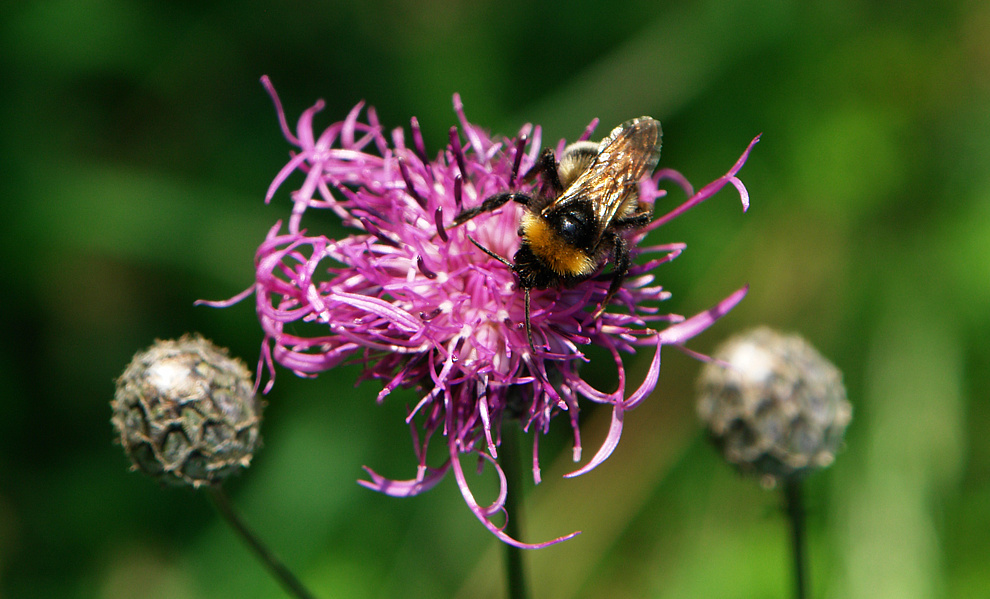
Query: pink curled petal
[[586, 135], [681, 332], [227, 302], [743, 193], [265, 362], [673, 248], [576, 452], [392, 384], [350, 123], [676, 177], [608, 446], [698, 355], [304, 128], [300, 362], [496, 506], [267, 83], [483, 514], [585, 389], [649, 383], [403, 488], [745, 155], [376, 125], [708, 190], [469, 130], [321, 156], [378, 307], [399, 142], [537, 478], [486, 424], [283, 174], [535, 145]]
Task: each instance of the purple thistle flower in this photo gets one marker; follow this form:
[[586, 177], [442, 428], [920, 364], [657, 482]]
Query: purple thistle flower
[[419, 306]]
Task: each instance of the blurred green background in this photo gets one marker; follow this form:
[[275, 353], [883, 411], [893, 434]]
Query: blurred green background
[[137, 145]]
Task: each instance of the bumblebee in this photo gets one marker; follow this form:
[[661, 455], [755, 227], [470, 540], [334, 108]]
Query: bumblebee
[[573, 226]]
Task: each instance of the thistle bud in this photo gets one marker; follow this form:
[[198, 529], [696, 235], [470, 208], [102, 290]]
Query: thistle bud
[[186, 412], [773, 405]]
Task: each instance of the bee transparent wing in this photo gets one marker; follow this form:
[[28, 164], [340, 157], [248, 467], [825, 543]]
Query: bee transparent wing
[[629, 152]]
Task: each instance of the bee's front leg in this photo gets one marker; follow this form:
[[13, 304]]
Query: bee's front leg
[[492, 203], [620, 253]]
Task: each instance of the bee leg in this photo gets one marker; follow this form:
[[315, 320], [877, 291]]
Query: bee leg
[[489, 252], [492, 203], [529, 325], [620, 253], [637, 220], [547, 165]]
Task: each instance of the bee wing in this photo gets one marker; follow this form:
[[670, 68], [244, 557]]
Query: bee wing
[[630, 151]]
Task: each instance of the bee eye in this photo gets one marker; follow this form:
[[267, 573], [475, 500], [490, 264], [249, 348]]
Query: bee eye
[[571, 227], [568, 228]]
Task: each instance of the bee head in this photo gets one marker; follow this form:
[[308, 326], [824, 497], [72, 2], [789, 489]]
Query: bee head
[[572, 227], [554, 243]]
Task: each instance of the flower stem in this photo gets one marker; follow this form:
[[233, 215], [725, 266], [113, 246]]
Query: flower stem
[[795, 513], [281, 573], [511, 463]]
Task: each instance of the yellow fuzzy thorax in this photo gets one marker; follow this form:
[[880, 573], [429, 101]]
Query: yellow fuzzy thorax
[[561, 257]]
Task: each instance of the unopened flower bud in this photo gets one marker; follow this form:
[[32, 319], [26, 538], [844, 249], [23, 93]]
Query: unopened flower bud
[[773, 405], [186, 412]]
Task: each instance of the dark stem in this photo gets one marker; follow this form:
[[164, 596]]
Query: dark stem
[[511, 462], [286, 578], [795, 513]]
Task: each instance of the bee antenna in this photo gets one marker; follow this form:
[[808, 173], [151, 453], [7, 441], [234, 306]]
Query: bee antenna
[[529, 325], [532, 346], [491, 253]]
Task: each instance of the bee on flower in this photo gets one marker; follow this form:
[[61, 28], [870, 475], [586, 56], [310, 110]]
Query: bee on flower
[[422, 294]]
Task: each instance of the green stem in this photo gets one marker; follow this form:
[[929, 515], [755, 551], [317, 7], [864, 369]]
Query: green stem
[[795, 513], [281, 573], [511, 463]]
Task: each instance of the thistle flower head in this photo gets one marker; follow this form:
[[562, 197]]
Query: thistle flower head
[[773, 405], [186, 412], [414, 301]]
